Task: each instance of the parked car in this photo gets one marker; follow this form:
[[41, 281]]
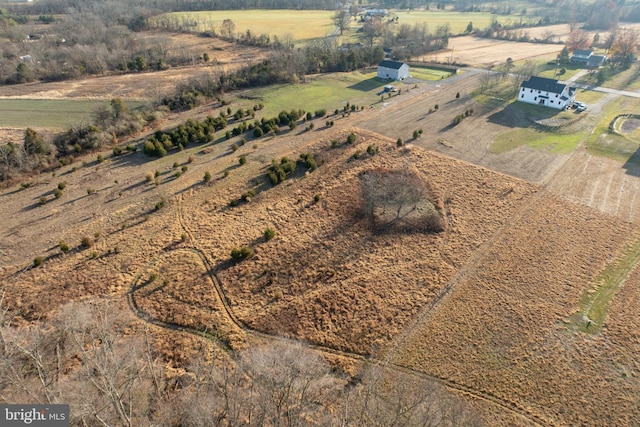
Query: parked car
[[581, 108]]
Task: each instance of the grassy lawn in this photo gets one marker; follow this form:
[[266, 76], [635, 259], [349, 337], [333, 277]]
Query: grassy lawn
[[301, 24], [560, 142], [618, 147], [595, 300], [589, 96], [424, 73], [46, 113], [329, 91]]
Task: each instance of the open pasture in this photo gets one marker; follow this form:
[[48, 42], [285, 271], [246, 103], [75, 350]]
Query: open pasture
[[332, 91], [457, 21], [45, 113], [302, 25]]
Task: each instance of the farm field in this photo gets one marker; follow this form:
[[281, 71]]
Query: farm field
[[457, 21], [324, 273], [48, 113], [538, 226], [303, 25], [481, 52]]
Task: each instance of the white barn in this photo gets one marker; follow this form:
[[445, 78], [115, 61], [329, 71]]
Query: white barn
[[393, 70], [546, 92]]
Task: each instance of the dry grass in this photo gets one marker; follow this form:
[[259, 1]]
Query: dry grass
[[505, 275]]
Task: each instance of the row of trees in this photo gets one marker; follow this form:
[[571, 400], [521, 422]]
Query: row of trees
[[83, 358]]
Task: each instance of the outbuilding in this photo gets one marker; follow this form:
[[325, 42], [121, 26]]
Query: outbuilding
[[393, 70]]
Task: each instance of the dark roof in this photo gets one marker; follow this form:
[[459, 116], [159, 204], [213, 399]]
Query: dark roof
[[391, 64], [547, 85], [582, 52]]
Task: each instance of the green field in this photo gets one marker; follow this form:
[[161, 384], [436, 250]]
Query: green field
[[600, 142], [46, 113], [306, 25], [330, 92], [560, 142], [457, 21], [302, 25], [424, 73]]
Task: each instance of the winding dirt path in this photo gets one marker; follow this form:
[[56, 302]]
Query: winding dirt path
[[511, 407]]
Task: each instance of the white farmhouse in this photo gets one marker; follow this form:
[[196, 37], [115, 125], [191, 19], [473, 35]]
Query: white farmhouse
[[393, 70], [546, 92]]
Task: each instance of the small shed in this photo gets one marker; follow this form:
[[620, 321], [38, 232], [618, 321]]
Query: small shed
[[393, 70]]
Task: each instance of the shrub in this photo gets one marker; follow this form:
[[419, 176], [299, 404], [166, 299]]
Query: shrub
[[356, 155], [207, 176], [242, 160], [117, 150], [62, 185], [257, 132], [156, 174], [415, 134], [458, 95], [248, 195], [160, 204], [435, 107], [399, 142], [37, 261], [334, 144], [183, 237], [371, 150], [238, 254], [225, 174], [185, 168], [57, 193], [233, 203], [132, 148], [42, 201], [91, 191], [64, 247], [269, 233], [351, 138], [321, 113], [178, 174], [86, 242], [149, 177], [100, 159], [316, 198]]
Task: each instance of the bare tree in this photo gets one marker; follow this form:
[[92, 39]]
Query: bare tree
[[391, 197], [341, 19], [387, 397], [578, 39], [625, 45], [228, 28]]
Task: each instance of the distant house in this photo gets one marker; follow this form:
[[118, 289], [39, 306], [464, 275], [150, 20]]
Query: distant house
[[581, 56], [393, 70], [596, 61], [546, 92], [376, 13], [587, 59]]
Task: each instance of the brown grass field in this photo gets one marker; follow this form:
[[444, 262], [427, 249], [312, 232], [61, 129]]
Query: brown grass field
[[483, 307]]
